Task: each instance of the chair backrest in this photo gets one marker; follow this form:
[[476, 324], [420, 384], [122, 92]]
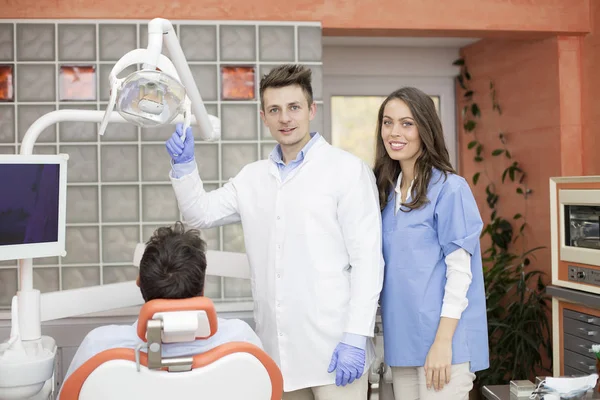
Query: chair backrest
[[236, 370]]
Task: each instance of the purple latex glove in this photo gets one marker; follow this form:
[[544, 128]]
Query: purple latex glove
[[181, 151], [349, 361]]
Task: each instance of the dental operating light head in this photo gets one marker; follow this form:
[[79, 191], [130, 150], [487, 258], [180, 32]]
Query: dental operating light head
[[148, 97], [162, 90]]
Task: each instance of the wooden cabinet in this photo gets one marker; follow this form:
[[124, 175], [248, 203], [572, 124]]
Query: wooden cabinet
[[575, 289], [576, 327]]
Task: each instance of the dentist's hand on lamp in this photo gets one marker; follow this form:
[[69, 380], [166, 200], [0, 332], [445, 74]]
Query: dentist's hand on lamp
[[349, 361], [181, 151]]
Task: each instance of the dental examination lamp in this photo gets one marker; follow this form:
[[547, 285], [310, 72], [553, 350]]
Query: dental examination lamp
[[152, 97], [162, 92]]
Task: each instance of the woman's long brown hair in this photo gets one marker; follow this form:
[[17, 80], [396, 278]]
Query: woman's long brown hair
[[433, 149]]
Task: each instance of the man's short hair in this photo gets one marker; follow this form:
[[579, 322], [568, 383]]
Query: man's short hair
[[287, 75], [173, 265]]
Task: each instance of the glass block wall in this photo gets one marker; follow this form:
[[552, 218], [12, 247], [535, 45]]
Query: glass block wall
[[118, 185]]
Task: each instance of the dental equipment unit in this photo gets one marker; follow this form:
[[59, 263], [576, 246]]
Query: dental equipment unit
[[162, 92]]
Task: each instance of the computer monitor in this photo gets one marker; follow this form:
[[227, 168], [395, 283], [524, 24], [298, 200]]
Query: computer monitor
[[33, 202]]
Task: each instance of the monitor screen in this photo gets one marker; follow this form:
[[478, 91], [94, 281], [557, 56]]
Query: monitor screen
[[32, 206]]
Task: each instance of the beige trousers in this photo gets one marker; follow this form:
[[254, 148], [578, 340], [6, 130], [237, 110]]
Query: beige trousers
[[409, 384], [356, 390]]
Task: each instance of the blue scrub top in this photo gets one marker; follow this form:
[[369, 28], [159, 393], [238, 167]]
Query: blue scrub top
[[415, 244]]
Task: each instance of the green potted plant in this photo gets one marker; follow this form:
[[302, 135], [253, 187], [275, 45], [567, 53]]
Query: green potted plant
[[517, 305]]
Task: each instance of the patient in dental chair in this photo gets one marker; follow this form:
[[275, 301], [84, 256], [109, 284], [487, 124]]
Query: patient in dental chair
[[173, 267]]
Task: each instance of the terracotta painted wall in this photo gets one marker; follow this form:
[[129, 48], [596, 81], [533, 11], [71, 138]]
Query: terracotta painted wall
[[590, 95], [525, 74], [548, 90], [338, 16]]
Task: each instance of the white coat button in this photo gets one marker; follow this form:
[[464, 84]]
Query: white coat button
[[279, 275], [278, 217], [280, 334]]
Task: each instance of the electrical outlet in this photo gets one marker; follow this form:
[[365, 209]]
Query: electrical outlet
[[573, 273]]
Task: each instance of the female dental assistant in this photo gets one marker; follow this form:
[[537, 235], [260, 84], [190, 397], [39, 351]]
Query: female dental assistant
[[433, 301]]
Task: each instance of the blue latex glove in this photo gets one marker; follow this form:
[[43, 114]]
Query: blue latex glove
[[181, 151], [349, 361]]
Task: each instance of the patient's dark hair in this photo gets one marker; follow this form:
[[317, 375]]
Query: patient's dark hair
[[173, 265]]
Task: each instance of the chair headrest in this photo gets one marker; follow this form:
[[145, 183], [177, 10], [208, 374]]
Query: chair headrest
[[183, 320]]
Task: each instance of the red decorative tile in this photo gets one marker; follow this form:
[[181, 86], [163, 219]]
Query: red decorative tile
[[77, 82], [6, 83], [237, 83]]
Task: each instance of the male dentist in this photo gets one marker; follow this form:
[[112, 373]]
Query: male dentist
[[312, 230]]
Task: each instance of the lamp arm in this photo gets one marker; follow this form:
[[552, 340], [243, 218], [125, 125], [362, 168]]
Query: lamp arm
[[28, 298], [165, 28], [227, 264], [74, 302]]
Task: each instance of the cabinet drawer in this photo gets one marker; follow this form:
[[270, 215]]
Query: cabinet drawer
[[579, 362], [589, 319], [581, 329], [579, 345]]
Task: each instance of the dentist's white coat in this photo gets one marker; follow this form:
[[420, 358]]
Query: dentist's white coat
[[301, 237]]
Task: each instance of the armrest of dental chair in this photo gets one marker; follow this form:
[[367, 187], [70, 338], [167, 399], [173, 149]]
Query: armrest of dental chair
[[230, 371]]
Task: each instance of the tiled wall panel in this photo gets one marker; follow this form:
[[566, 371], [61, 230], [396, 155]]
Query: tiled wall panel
[[118, 184]]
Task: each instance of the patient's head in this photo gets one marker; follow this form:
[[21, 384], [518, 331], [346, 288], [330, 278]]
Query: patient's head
[[173, 265]]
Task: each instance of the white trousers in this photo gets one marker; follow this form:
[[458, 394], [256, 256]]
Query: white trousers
[[410, 384], [356, 390]]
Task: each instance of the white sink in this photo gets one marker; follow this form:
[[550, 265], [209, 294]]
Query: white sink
[[23, 374]]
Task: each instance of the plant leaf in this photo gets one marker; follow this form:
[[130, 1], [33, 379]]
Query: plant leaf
[[476, 178], [519, 190], [468, 93], [470, 125], [478, 159], [461, 82], [475, 110], [497, 152], [502, 138], [504, 174], [517, 216], [460, 61], [472, 144]]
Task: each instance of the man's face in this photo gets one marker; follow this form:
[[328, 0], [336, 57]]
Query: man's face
[[287, 114]]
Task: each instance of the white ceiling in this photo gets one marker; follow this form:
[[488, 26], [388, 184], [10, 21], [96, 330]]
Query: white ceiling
[[397, 41]]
